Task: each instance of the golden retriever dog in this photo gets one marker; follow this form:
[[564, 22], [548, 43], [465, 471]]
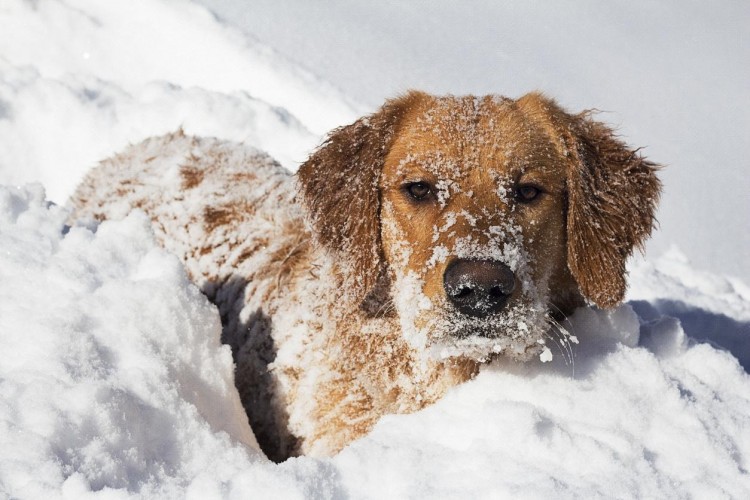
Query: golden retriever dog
[[413, 245]]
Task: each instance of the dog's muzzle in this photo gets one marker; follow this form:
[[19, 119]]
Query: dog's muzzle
[[479, 288]]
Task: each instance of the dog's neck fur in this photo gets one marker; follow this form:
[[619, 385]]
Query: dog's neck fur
[[348, 344]]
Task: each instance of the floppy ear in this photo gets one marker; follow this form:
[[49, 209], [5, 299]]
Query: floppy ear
[[339, 187], [612, 196]]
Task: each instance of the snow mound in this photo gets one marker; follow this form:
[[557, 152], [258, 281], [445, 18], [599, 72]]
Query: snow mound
[[711, 308], [144, 41], [655, 419], [60, 127], [114, 385], [112, 374], [81, 79]]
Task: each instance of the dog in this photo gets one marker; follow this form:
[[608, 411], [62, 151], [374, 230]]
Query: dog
[[413, 246]]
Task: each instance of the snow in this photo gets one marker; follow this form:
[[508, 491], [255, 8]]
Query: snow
[[113, 383], [86, 119], [119, 387], [671, 75], [116, 372], [77, 85]]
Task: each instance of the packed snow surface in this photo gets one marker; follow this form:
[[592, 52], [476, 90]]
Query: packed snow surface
[[113, 383]]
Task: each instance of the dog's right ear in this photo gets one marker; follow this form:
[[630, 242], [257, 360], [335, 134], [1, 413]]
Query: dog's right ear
[[339, 188]]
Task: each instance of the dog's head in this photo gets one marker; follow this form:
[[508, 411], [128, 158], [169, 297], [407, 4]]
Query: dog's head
[[481, 218]]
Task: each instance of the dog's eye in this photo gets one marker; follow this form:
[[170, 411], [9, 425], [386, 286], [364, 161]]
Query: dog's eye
[[418, 190], [527, 193]]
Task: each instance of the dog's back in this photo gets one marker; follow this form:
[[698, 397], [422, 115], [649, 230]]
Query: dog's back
[[227, 211]]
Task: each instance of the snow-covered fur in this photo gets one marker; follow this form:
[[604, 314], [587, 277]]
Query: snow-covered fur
[[331, 285]]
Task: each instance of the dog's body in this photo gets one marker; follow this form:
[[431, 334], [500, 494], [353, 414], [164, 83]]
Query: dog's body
[[440, 232], [229, 213]]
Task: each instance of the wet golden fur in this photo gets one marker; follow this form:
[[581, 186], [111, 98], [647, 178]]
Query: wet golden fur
[[344, 319]]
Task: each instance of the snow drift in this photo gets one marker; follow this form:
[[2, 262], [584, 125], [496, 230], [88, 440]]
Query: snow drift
[[113, 381]]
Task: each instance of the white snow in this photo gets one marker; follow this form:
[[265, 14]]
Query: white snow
[[80, 80], [671, 75], [112, 373], [113, 383], [117, 385]]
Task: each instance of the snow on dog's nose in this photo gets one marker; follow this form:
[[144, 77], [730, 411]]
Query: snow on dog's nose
[[478, 288]]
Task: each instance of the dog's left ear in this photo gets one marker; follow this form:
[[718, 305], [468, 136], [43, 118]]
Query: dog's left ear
[[339, 188], [612, 196]]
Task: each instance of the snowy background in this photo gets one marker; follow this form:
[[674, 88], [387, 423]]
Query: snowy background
[[112, 379]]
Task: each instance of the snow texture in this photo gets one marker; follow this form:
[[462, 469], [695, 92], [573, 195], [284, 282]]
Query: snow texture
[[117, 386], [113, 383], [78, 84]]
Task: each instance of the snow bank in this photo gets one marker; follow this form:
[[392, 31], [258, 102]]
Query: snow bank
[[60, 127], [142, 41], [113, 383], [112, 374], [662, 418], [80, 80], [710, 308]]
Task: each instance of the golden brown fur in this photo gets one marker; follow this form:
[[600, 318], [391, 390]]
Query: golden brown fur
[[338, 322]]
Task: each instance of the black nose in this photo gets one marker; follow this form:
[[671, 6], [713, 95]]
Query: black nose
[[478, 287]]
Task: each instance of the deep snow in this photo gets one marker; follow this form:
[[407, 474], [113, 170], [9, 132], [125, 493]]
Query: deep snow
[[112, 379], [117, 384]]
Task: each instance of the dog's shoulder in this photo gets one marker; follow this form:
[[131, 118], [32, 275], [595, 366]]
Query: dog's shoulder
[[218, 205], [179, 169]]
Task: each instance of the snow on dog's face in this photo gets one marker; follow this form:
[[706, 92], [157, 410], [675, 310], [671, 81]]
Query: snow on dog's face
[[483, 217], [473, 227]]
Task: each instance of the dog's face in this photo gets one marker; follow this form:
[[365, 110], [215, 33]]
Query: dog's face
[[486, 216], [473, 226]]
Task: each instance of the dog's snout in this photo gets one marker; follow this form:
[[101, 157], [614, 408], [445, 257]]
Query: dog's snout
[[478, 287]]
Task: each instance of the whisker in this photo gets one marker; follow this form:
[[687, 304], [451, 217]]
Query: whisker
[[562, 315], [385, 308], [569, 340], [563, 340], [558, 343]]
